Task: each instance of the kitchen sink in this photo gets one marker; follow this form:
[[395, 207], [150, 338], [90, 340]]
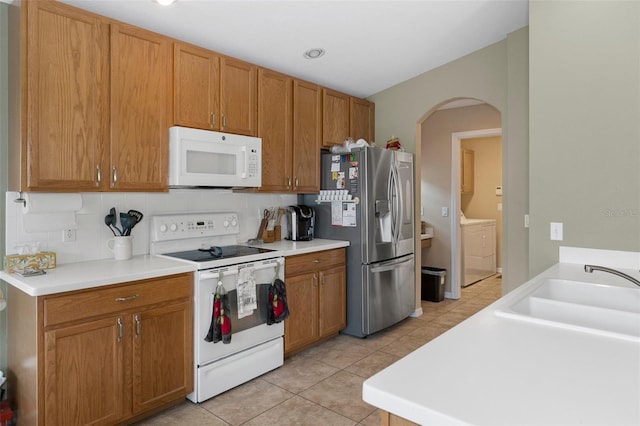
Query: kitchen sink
[[587, 307]]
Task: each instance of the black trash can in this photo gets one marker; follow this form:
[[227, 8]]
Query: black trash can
[[433, 280]]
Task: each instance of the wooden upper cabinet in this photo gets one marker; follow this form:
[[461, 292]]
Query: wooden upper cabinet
[[335, 118], [275, 128], [307, 113], [196, 89], [66, 107], [238, 96], [361, 122], [140, 86], [467, 171]]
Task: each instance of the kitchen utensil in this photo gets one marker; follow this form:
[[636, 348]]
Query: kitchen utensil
[[107, 221], [263, 224], [127, 222], [114, 220], [136, 214], [137, 218], [271, 219]]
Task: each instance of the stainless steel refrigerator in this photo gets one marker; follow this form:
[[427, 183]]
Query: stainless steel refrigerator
[[378, 222]]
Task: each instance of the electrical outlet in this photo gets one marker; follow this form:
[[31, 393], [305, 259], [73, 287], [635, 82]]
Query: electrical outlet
[[444, 212], [68, 235]]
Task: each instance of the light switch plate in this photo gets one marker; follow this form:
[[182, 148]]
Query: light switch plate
[[445, 211], [556, 231]]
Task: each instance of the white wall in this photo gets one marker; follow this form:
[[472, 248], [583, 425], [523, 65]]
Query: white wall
[[92, 234], [585, 126]]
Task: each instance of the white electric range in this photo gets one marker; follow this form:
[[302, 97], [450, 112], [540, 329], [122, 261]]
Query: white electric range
[[209, 240]]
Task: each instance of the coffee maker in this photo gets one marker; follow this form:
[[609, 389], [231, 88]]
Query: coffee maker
[[300, 221]]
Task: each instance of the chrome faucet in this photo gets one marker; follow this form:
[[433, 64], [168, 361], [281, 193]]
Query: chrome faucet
[[591, 268]]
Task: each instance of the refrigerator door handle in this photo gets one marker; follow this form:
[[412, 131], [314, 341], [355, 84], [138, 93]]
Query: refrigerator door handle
[[390, 265], [396, 216]]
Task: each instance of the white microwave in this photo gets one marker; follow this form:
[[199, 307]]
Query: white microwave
[[203, 158]]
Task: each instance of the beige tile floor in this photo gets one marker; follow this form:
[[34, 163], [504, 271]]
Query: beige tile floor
[[323, 384]]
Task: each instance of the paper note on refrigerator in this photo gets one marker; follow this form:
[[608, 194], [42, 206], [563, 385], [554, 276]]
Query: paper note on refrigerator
[[336, 213], [349, 214]]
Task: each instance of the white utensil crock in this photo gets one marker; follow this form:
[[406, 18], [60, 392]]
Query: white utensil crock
[[121, 247]]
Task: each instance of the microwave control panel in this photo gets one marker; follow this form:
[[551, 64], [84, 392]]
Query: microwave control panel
[[253, 163]]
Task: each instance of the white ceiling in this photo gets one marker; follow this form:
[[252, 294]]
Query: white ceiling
[[370, 45]]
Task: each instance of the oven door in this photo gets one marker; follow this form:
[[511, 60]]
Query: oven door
[[246, 332]]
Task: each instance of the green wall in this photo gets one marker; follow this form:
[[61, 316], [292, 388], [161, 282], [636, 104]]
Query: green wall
[[585, 126], [498, 75]]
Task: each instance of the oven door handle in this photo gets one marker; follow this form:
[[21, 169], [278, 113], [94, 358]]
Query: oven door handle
[[207, 275]]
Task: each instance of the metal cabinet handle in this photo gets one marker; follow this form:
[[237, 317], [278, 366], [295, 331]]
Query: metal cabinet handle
[[99, 175], [124, 299], [296, 183], [119, 322], [316, 260], [224, 121], [315, 280], [213, 120], [288, 182], [136, 318], [114, 176]]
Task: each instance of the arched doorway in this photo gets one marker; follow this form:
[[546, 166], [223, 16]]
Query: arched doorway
[[440, 132]]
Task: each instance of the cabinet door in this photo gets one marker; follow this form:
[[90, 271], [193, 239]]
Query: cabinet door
[[162, 355], [238, 96], [83, 371], [361, 119], [332, 300], [275, 128], [140, 90], [335, 118], [66, 112], [301, 327], [195, 87], [307, 105]]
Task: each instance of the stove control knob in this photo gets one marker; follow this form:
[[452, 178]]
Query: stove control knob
[[234, 222], [173, 227], [163, 228], [225, 224]]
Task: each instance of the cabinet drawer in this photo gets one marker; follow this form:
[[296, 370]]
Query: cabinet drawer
[[91, 303], [302, 263]]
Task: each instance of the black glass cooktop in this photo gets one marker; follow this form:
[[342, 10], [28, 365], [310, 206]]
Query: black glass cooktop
[[216, 253]]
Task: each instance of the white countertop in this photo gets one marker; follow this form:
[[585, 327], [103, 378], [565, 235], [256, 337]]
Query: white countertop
[[499, 371], [96, 273], [291, 248], [464, 221]]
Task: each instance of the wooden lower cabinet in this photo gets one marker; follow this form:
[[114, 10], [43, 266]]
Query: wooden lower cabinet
[[316, 293], [160, 366], [83, 370], [104, 356]]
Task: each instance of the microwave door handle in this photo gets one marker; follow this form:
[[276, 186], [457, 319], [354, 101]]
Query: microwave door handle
[[245, 160]]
